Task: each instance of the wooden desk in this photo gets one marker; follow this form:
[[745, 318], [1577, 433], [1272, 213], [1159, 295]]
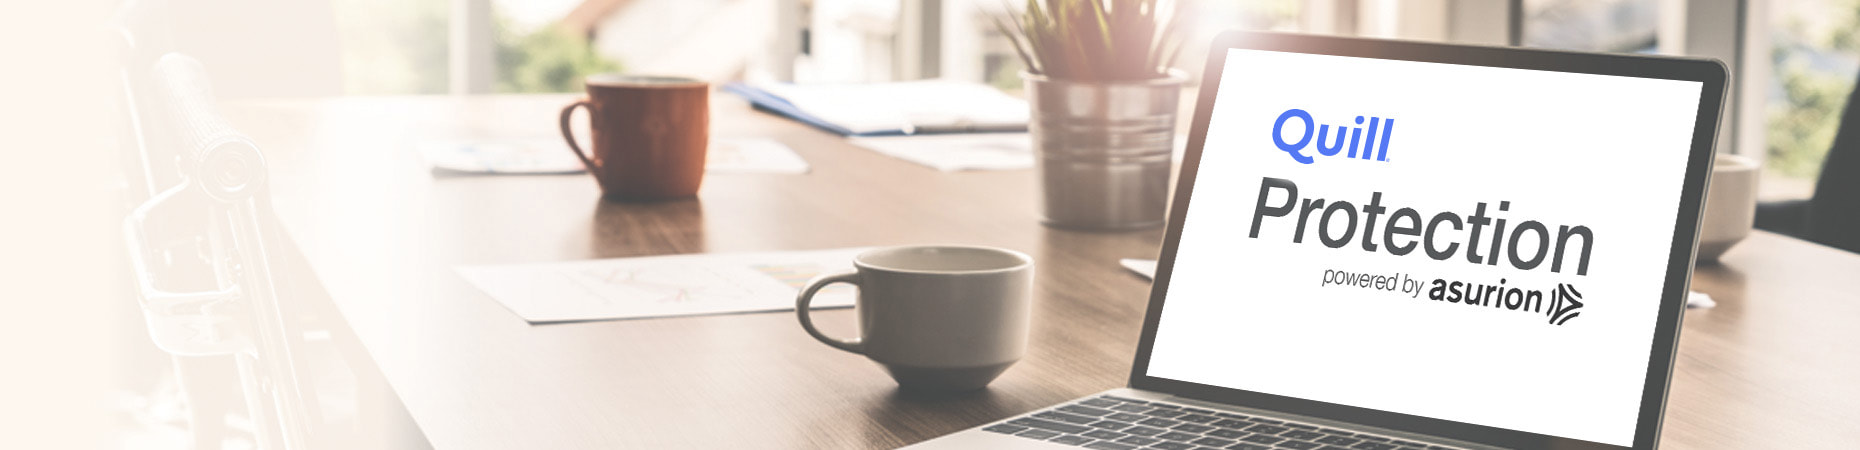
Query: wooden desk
[[1774, 365]]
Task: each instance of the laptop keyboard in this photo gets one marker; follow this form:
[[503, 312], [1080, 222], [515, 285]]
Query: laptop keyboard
[[1113, 423]]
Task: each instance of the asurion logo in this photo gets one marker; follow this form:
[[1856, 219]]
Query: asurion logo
[[1372, 143], [1563, 303], [1373, 146]]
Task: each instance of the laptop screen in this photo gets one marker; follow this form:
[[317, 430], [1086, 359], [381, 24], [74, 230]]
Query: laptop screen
[[1473, 244]]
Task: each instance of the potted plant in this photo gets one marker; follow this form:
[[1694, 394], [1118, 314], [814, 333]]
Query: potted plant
[[1103, 98]]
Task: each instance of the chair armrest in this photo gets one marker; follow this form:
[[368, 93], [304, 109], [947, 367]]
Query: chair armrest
[[1786, 217]]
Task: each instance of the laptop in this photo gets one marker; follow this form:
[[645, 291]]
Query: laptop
[[1387, 245]]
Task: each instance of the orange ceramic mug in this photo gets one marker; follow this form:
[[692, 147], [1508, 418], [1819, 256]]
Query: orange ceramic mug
[[650, 135]]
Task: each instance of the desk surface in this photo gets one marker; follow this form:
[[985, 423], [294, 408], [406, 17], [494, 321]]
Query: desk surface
[[1774, 365]]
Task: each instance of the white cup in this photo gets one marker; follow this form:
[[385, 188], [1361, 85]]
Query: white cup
[[1730, 205], [947, 318]]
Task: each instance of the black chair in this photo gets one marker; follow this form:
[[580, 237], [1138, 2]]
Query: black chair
[[1832, 216]]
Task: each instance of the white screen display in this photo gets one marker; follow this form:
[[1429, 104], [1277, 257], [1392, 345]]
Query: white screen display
[[1364, 271]]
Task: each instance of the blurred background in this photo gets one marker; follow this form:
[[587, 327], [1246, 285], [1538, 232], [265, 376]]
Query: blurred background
[[1797, 58], [1793, 64]]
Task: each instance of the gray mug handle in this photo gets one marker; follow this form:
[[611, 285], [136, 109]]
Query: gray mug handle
[[807, 296]]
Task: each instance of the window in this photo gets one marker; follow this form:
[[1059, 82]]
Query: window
[[1815, 54], [848, 41], [1209, 19], [1620, 26], [397, 47], [392, 46], [1001, 67], [538, 48]]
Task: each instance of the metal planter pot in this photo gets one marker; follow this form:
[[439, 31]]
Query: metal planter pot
[[1104, 150]]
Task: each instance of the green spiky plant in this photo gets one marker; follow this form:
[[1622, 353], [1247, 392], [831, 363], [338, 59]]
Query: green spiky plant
[[1096, 40]]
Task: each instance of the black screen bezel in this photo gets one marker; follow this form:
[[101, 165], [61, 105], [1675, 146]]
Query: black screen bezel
[[1710, 73]]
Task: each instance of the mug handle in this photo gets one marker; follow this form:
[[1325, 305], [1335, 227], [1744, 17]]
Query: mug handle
[[807, 296], [569, 136]]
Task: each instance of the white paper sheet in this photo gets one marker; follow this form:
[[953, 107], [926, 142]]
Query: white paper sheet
[[509, 156], [752, 155], [662, 286], [541, 156], [957, 152]]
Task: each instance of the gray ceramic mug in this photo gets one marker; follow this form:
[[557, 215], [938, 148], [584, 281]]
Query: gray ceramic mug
[[936, 317]]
